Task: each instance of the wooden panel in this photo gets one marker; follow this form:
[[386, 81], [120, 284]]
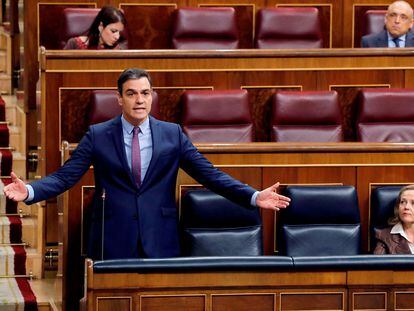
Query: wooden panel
[[243, 302], [369, 301], [173, 302], [312, 301], [113, 303], [309, 175], [149, 25], [404, 300]]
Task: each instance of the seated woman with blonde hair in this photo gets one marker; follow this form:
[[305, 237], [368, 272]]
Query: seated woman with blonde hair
[[399, 237], [104, 33]]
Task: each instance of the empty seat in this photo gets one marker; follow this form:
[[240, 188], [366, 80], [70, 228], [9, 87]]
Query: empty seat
[[373, 21], [320, 221], [205, 28], [383, 200], [312, 116], [76, 22], [385, 115], [217, 116], [104, 105], [214, 226], [288, 28]]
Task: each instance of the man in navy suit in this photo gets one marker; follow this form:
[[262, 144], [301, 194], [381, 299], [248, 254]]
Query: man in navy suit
[[397, 32], [140, 218]]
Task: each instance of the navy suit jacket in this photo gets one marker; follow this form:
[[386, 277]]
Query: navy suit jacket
[[147, 214], [380, 40]]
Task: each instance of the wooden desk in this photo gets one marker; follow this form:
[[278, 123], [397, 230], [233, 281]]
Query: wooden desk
[[247, 289], [363, 166]]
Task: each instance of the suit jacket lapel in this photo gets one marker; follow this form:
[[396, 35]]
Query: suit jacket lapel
[[409, 40], [156, 149], [117, 136], [401, 244], [382, 40]]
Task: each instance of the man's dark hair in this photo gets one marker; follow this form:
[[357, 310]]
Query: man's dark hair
[[132, 74]]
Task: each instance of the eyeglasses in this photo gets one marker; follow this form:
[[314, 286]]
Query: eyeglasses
[[402, 17]]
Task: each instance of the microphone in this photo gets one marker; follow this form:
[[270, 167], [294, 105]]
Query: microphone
[[103, 223]]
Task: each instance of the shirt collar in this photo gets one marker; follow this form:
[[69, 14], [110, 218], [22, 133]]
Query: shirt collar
[[398, 229], [128, 127], [402, 38]]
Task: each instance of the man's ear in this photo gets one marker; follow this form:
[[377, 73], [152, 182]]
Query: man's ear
[[120, 100]]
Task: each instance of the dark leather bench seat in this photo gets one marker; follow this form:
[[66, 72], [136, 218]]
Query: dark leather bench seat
[[194, 263], [254, 263]]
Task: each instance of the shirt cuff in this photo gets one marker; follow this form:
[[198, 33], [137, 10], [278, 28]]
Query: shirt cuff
[[31, 193], [253, 199]]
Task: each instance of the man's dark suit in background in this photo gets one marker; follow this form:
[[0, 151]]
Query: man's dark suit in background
[[380, 40]]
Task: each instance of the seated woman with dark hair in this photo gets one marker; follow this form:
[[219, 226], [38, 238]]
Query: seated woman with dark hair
[[399, 238], [104, 33]]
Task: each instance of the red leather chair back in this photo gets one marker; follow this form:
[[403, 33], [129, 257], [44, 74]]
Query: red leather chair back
[[104, 106], [288, 28], [373, 21], [76, 22], [313, 116], [217, 116], [205, 29], [386, 115]]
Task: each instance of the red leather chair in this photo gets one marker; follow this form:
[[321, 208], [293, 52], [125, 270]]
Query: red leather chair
[[373, 21], [76, 22], [104, 105], [312, 116], [385, 115], [288, 28], [205, 29], [217, 116]]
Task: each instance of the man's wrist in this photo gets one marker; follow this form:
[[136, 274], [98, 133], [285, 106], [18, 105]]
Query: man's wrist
[[30, 193], [253, 199]]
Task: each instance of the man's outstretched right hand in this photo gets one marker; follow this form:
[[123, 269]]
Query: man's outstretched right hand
[[17, 190]]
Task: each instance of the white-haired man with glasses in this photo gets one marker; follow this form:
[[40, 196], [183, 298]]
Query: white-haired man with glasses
[[397, 32]]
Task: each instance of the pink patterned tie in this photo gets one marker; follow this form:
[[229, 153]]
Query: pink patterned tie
[[136, 157]]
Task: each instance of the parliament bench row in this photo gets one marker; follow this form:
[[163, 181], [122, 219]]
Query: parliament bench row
[[217, 28], [320, 221], [307, 116]]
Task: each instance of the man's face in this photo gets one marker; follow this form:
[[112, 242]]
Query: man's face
[[399, 18], [136, 100]]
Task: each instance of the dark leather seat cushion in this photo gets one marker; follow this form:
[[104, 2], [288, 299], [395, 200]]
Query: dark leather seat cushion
[[217, 116], [310, 116], [329, 240], [291, 28], [205, 28], [385, 115]]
